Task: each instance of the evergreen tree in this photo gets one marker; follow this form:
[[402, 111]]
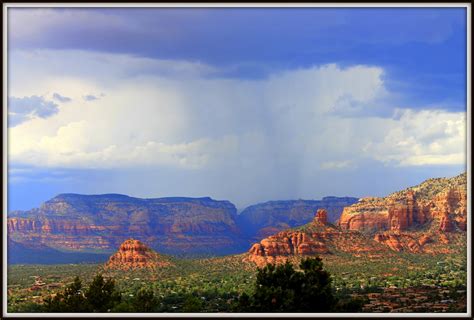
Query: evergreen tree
[[283, 289], [316, 291], [144, 301], [192, 304], [101, 295], [71, 300]]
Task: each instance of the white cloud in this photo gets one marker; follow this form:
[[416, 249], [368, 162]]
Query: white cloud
[[170, 113], [422, 138], [72, 147]]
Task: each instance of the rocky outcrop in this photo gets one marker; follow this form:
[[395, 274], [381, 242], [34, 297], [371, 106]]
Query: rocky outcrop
[[441, 201], [288, 243], [316, 238], [424, 240], [133, 254], [278, 247], [416, 220], [400, 242], [263, 219], [285, 244], [321, 217], [446, 225], [366, 215]]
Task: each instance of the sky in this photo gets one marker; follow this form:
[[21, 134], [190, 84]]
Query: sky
[[240, 104]]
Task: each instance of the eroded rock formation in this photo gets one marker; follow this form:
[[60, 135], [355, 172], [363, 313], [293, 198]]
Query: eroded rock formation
[[400, 242], [285, 244], [429, 218], [321, 217], [446, 225], [133, 254], [316, 238], [442, 201], [366, 215]]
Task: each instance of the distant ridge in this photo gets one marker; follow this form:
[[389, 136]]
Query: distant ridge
[[80, 224], [263, 219], [172, 225]]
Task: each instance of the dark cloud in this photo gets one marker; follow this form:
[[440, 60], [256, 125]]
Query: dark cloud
[[235, 34], [252, 43], [60, 98], [26, 108]]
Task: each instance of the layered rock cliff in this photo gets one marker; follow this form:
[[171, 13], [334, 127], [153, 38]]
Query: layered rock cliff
[[103, 222], [441, 202], [319, 237], [430, 218], [423, 241], [100, 223], [133, 254], [417, 219]]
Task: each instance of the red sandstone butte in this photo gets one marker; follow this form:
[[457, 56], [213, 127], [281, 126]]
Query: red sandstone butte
[[133, 254]]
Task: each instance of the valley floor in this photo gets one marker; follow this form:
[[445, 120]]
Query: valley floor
[[399, 283]]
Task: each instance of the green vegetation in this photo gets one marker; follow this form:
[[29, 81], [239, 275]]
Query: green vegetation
[[431, 187], [283, 289], [220, 284], [101, 296], [276, 289]]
